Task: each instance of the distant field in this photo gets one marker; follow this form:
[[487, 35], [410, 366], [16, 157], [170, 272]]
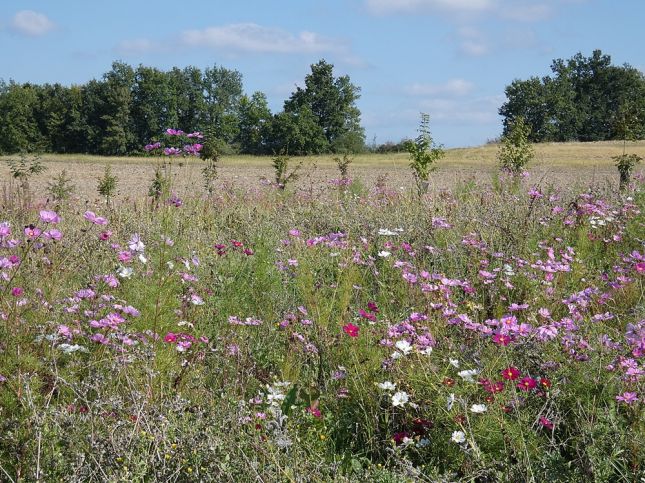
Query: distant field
[[555, 163]]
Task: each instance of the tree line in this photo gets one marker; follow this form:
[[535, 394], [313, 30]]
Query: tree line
[[586, 99], [130, 106]]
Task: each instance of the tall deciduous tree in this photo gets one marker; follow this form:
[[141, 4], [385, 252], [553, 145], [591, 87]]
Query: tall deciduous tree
[[332, 101]]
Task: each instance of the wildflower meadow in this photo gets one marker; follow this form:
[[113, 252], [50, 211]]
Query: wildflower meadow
[[494, 331]]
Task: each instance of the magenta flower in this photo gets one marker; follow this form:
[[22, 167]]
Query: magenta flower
[[526, 384], [510, 373], [17, 291], [47, 216], [502, 339], [547, 423], [351, 330], [640, 267]]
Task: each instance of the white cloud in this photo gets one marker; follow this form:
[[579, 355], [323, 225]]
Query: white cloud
[[472, 42], [33, 24], [453, 87], [251, 37], [414, 6], [235, 39], [526, 12]]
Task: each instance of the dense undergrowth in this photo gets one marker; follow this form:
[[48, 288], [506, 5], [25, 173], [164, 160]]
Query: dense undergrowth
[[490, 333]]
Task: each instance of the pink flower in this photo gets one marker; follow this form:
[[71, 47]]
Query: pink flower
[[97, 220], [47, 216], [105, 235], [32, 232], [351, 330], [17, 291], [640, 267]]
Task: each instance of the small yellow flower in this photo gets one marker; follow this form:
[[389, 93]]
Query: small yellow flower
[[189, 469], [323, 437], [167, 456]]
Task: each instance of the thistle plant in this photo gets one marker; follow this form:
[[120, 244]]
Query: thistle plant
[[23, 171], [61, 187], [281, 168], [423, 154], [627, 127]]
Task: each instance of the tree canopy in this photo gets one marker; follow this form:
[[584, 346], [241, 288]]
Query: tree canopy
[[129, 107], [586, 99]]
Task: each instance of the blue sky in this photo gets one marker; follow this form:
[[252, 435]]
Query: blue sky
[[449, 58]]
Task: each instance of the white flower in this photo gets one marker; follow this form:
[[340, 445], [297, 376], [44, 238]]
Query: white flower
[[386, 232], [68, 349], [396, 355], [124, 272], [458, 437], [426, 351], [454, 362], [135, 244], [196, 299], [404, 346], [384, 254], [450, 401], [478, 408], [170, 264], [468, 374], [386, 386], [400, 398], [142, 258]]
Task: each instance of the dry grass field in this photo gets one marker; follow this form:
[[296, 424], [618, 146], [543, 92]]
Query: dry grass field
[[555, 163]]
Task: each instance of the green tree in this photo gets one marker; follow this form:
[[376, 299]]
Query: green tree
[[222, 95], [254, 124], [580, 101], [18, 106], [118, 136], [332, 101], [297, 133]]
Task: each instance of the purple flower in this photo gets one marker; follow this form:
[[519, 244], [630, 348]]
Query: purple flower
[[53, 234], [5, 229], [627, 397]]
